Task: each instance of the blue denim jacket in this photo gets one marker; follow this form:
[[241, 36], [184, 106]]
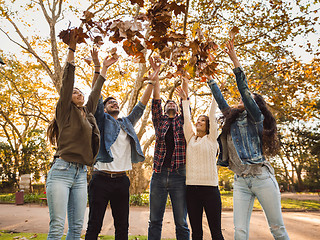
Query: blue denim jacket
[[246, 131], [109, 130]]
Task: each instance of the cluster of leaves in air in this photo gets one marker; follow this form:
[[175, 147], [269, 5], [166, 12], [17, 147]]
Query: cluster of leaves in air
[[171, 46]]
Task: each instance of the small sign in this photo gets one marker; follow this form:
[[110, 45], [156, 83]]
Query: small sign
[[25, 182]]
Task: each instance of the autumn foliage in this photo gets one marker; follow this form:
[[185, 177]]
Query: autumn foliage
[[190, 58]]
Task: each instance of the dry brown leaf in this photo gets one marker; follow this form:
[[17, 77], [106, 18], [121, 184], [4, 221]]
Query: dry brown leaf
[[233, 32], [88, 60]]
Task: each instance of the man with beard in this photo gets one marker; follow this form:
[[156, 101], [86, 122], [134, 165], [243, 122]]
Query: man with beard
[[169, 172], [119, 148]]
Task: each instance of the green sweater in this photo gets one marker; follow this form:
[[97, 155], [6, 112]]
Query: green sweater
[[79, 137]]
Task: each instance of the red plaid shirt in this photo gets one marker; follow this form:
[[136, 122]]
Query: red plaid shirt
[[161, 126]]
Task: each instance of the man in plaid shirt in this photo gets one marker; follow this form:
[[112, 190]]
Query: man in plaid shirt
[[169, 173]]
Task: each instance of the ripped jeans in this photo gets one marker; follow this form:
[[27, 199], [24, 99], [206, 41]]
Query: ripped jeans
[[266, 189], [66, 193]]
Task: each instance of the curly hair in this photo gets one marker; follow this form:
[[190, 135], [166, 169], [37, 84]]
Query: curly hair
[[270, 140]]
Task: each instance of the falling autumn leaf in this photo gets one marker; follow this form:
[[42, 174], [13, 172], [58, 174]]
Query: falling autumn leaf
[[98, 41], [88, 60], [113, 51], [233, 32], [87, 16], [139, 2], [203, 79]]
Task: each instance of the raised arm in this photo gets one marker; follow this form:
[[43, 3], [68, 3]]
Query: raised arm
[[184, 85], [95, 58], [213, 129], [248, 101], [187, 126], [156, 89], [96, 89], [215, 90], [72, 46], [65, 99], [153, 78]]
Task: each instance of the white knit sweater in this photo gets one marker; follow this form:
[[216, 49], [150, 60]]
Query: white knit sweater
[[201, 152]]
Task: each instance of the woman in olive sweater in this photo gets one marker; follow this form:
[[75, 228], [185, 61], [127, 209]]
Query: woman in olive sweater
[[75, 132]]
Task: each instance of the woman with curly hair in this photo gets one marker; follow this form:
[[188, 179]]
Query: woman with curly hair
[[249, 134]]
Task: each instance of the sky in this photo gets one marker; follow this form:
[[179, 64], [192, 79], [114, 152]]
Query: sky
[[41, 28], [38, 26]]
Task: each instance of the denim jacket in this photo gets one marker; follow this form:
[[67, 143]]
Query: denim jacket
[[109, 130], [246, 131]]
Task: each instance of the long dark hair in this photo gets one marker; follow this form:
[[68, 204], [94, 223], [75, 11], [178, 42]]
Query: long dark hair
[[207, 123], [53, 131], [270, 141]]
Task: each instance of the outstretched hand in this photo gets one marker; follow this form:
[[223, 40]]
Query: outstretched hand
[[230, 49], [181, 93], [108, 61], [232, 53], [73, 39], [154, 76], [94, 55], [154, 63]]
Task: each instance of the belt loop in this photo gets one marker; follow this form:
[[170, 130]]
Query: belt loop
[[54, 160]]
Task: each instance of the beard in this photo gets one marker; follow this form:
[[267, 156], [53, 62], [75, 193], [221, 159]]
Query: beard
[[114, 112]]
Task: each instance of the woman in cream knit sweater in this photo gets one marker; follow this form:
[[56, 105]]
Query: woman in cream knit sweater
[[202, 175]]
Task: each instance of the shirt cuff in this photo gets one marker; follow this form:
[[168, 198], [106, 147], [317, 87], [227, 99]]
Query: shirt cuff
[[72, 62], [237, 70], [211, 81]]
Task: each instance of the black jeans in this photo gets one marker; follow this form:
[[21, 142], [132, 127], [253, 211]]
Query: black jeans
[[103, 189], [207, 198]]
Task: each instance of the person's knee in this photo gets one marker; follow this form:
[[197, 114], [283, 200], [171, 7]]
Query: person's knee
[[56, 229], [279, 232], [155, 222], [240, 233]]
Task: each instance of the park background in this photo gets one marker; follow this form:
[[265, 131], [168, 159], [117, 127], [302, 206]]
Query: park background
[[277, 42]]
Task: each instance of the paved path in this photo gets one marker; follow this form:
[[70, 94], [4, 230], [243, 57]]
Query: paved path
[[35, 218]]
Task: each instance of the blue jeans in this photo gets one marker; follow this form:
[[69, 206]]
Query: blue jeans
[[66, 192], [266, 189], [174, 184]]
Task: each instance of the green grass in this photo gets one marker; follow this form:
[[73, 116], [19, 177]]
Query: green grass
[[5, 235], [23, 236], [28, 198], [300, 204], [227, 202]]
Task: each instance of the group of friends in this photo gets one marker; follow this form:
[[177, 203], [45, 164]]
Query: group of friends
[[185, 158]]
